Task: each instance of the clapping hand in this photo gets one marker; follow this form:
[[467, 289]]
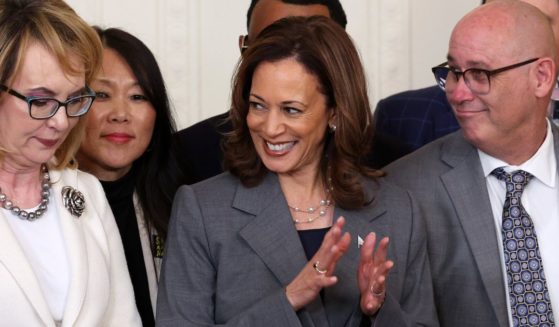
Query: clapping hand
[[372, 274], [318, 273]]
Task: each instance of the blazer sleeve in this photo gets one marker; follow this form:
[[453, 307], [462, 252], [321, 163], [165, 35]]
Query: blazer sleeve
[[187, 285], [121, 309], [415, 305]]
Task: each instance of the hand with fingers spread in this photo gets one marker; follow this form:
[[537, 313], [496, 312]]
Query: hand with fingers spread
[[318, 273], [372, 274]]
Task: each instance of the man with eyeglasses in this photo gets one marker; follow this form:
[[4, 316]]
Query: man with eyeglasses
[[489, 191], [417, 117]]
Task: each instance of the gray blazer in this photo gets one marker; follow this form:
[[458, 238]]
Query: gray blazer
[[447, 180], [231, 251]]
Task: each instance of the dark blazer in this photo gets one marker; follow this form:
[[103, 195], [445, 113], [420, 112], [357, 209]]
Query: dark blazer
[[447, 180], [199, 147], [416, 117], [200, 153], [232, 250]]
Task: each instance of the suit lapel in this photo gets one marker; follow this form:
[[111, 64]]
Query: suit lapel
[[467, 189], [14, 259], [273, 237], [75, 248]]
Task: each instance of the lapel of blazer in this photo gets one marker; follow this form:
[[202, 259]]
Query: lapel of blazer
[[273, 237], [74, 239], [467, 189], [13, 258], [358, 225]]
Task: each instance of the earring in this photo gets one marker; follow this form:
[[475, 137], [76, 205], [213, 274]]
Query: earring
[[243, 42], [332, 128]]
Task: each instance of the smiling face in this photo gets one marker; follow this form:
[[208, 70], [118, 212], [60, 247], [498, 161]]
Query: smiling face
[[29, 142], [288, 117], [120, 123], [513, 113]]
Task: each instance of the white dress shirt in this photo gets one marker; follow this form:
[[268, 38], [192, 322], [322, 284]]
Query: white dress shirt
[[540, 199]]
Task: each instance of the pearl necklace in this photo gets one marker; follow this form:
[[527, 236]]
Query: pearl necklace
[[45, 191], [322, 208]]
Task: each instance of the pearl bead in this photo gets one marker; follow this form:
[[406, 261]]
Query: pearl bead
[[45, 192]]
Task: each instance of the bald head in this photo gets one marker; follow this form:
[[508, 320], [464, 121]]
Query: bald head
[[509, 29], [509, 47], [550, 8]]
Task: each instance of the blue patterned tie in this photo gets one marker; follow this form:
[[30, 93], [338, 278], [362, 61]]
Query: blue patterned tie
[[529, 297]]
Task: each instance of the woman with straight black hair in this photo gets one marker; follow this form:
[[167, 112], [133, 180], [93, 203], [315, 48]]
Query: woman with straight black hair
[[128, 147]]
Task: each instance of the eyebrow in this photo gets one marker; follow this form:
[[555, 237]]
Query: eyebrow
[[283, 102], [109, 82], [294, 101], [257, 96], [103, 81], [51, 94]]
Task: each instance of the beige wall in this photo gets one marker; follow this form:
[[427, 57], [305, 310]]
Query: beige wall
[[195, 42]]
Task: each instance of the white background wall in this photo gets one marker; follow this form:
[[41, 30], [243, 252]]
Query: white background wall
[[195, 43]]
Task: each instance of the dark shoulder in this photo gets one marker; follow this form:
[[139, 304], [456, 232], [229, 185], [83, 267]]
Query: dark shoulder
[[198, 147], [427, 94], [213, 126]]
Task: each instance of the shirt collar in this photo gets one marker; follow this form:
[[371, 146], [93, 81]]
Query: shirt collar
[[542, 165]]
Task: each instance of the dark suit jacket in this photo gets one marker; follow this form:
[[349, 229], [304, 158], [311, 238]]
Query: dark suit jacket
[[199, 146], [416, 117], [201, 155], [232, 250], [448, 182]]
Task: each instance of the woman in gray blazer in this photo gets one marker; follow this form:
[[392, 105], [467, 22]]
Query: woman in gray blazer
[[287, 236]]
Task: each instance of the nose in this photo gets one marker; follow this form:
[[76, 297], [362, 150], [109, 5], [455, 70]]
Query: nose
[[273, 124], [120, 111], [60, 120], [458, 91]]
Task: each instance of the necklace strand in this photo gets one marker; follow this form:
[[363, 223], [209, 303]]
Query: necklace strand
[[45, 192], [310, 210], [322, 209], [322, 213]]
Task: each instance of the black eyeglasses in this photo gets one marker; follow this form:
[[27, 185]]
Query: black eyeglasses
[[46, 107], [477, 80]]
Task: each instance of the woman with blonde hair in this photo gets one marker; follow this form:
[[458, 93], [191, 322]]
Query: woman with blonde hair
[[61, 259]]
